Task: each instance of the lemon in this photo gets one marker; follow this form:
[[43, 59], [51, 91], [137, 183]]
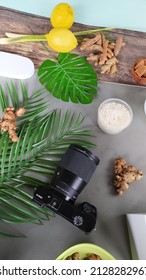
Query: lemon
[[62, 16], [61, 40]]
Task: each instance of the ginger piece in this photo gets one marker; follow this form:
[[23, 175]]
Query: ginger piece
[[113, 69], [121, 187], [118, 45], [8, 121], [125, 175], [105, 69], [93, 58], [103, 57], [9, 114], [96, 48], [13, 136], [120, 164], [111, 46], [4, 125], [20, 112], [110, 53], [110, 66], [101, 51], [87, 42], [112, 61], [102, 38]]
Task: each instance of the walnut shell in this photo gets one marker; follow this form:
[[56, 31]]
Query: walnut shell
[[136, 77]]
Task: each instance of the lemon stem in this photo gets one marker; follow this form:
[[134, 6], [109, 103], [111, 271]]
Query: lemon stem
[[91, 31], [22, 39]]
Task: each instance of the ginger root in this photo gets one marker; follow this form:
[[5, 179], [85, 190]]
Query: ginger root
[[110, 66], [125, 175], [8, 121], [86, 43], [118, 45], [103, 56], [102, 53]]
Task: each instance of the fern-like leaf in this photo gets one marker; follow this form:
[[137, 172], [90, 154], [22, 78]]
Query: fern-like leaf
[[71, 78], [43, 139], [18, 97]]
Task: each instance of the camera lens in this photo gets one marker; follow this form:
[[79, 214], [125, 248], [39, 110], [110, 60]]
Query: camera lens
[[74, 171]]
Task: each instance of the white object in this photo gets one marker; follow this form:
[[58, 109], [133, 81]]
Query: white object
[[137, 235], [114, 115], [15, 66]]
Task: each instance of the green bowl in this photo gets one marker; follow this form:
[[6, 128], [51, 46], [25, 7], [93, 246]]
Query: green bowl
[[84, 249]]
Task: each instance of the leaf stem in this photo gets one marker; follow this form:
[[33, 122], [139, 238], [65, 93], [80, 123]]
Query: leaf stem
[[20, 38], [91, 31]]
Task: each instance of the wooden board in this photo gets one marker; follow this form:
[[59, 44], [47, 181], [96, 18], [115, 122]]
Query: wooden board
[[24, 23]]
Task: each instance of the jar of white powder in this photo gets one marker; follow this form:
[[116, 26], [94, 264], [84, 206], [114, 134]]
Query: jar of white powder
[[114, 115]]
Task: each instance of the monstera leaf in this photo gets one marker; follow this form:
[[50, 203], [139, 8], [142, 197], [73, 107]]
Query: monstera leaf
[[70, 78], [43, 139]]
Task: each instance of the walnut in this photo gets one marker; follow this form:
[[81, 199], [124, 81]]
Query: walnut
[[93, 257], [76, 256]]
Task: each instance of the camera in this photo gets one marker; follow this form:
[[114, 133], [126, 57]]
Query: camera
[[72, 175]]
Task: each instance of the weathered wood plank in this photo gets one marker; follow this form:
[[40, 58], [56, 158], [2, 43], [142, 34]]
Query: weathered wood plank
[[24, 23]]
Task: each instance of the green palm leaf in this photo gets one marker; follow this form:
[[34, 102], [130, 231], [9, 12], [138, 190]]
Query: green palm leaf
[[35, 104], [71, 78], [43, 139]]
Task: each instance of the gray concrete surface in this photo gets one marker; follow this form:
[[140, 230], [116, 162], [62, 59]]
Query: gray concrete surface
[[49, 240]]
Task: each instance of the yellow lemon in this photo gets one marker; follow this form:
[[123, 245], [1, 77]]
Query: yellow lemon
[[62, 16], [61, 40]]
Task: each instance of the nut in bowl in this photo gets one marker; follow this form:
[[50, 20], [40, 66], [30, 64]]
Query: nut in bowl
[[114, 115], [85, 251]]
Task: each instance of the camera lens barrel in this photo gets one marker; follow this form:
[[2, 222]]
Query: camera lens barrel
[[68, 183], [80, 162], [74, 171]]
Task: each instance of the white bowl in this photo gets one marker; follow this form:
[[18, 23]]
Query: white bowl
[[114, 115]]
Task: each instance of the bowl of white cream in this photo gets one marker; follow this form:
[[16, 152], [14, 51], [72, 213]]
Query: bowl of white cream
[[114, 115]]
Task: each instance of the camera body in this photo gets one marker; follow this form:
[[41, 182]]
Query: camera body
[[73, 173], [82, 216]]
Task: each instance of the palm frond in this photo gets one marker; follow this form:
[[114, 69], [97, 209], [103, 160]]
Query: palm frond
[[71, 78], [56, 133], [18, 97], [43, 139]]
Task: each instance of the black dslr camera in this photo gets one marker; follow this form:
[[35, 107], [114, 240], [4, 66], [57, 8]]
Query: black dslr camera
[[71, 176]]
